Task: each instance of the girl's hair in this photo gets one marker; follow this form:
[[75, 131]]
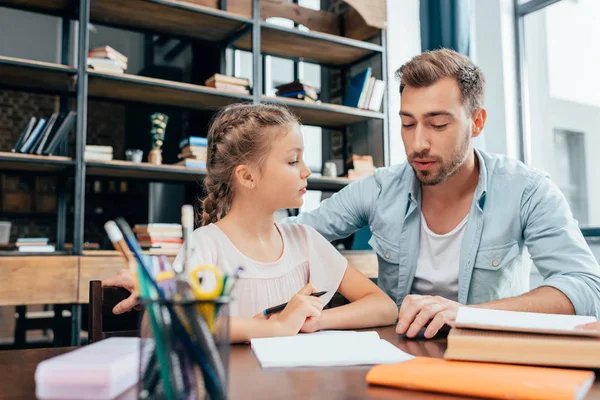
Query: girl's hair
[[237, 135]]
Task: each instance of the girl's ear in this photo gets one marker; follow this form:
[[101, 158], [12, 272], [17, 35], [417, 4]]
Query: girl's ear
[[244, 177]]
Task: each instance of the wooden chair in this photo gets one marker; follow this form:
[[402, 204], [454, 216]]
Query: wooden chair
[[102, 323]]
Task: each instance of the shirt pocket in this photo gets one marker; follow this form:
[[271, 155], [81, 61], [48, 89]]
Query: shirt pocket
[[497, 257], [388, 257], [493, 273]]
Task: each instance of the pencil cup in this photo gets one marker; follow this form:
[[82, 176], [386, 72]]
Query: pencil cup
[[184, 349]]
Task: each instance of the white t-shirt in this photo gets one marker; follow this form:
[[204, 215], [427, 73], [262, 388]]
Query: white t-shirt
[[438, 262], [307, 257]]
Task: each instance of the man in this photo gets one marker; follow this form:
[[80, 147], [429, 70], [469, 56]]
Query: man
[[451, 224]]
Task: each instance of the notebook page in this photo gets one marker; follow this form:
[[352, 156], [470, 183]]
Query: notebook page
[[479, 318], [326, 350]]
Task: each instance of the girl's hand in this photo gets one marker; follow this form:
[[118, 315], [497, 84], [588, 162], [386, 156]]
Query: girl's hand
[[123, 279], [300, 309]]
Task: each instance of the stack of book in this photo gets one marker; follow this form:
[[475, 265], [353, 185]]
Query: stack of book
[[160, 238], [98, 153], [364, 91], [228, 83], [43, 137], [34, 245], [193, 152], [107, 59], [298, 90], [360, 167]]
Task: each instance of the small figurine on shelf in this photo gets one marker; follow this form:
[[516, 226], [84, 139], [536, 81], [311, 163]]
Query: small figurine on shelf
[[159, 127]]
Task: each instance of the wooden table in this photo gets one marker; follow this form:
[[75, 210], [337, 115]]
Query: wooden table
[[249, 381]]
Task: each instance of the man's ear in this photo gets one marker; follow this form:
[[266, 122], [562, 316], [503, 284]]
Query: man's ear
[[243, 176], [479, 117]]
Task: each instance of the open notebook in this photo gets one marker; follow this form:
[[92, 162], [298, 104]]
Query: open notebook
[[326, 349], [513, 321]]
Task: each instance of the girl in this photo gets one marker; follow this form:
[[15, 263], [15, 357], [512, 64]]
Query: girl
[[255, 168]]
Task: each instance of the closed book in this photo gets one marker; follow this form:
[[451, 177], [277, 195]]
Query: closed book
[[61, 133], [193, 141], [227, 79], [523, 348], [356, 90], [98, 149], [483, 380], [191, 163], [43, 137], [296, 86], [106, 62], [32, 240], [37, 249], [107, 51], [33, 136], [229, 87], [24, 134], [91, 156]]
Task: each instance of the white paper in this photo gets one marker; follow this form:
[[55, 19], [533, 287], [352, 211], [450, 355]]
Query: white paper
[[327, 350], [480, 318]]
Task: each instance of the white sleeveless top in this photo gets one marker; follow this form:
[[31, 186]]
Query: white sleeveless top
[[307, 257]]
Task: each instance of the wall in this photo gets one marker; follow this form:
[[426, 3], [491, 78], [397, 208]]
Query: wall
[[494, 53], [404, 42]]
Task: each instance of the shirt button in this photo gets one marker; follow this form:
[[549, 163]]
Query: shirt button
[[495, 263], [387, 256]]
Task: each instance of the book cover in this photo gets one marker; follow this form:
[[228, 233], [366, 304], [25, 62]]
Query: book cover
[[33, 136], [24, 134], [523, 348], [356, 88], [193, 141], [483, 380]]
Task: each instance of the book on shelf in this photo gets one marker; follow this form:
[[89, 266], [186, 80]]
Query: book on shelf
[[365, 91], [360, 166], [191, 163], [197, 153], [60, 134], [28, 142], [107, 52], [523, 348], [193, 141], [106, 59], [229, 87], [98, 153], [157, 228], [24, 134], [298, 90], [32, 241], [37, 249], [232, 80], [355, 92]]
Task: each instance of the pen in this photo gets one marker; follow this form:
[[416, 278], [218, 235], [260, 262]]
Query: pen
[[282, 306]]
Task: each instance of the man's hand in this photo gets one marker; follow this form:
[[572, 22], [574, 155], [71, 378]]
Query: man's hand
[[594, 326], [123, 279], [416, 311]]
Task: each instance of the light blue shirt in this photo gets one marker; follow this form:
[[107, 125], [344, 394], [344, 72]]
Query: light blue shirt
[[514, 208]]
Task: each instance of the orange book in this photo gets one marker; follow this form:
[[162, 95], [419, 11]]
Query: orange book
[[493, 381]]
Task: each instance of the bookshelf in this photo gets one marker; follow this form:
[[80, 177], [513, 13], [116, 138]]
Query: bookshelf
[[320, 48], [41, 76], [30, 162], [242, 27]]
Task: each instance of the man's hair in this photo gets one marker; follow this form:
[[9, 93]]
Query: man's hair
[[431, 66]]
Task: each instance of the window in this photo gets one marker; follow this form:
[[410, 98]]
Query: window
[[561, 97]]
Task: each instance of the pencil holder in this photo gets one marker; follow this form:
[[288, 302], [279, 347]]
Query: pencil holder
[[184, 349]]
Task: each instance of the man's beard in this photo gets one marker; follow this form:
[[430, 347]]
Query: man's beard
[[446, 170]]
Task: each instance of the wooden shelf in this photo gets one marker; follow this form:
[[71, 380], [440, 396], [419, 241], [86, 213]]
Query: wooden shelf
[[323, 114], [159, 173], [327, 183], [171, 17], [53, 7], [29, 162], [38, 75], [159, 91], [321, 48], [128, 169]]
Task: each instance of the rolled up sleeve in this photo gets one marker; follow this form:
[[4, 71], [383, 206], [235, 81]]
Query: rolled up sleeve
[[345, 212], [558, 248]]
